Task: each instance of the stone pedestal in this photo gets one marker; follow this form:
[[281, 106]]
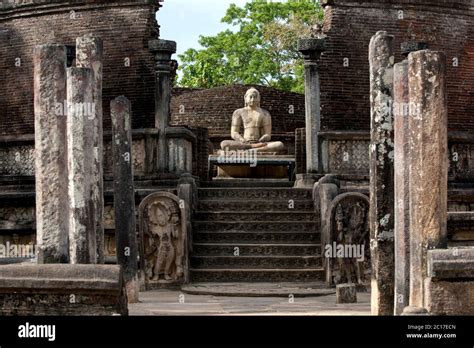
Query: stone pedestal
[[124, 195], [82, 220], [449, 288], [311, 49], [428, 164], [89, 54], [162, 50], [381, 58], [62, 290], [250, 164], [346, 293], [50, 154]]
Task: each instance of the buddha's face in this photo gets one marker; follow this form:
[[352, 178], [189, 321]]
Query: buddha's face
[[252, 98]]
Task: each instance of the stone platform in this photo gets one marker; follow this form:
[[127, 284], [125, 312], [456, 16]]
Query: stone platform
[[176, 303], [62, 289]]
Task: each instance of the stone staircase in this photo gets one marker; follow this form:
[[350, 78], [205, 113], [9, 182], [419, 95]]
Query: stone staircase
[[255, 234]]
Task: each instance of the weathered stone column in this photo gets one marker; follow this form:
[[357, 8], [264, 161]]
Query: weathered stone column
[[89, 54], [124, 195], [381, 60], [51, 154], [82, 220], [163, 50], [428, 166], [311, 49], [402, 179], [401, 113]]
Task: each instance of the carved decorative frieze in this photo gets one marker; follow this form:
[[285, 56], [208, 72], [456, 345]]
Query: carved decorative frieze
[[347, 156], [138, 157], [461, 161], [17, 160], [12, 218], [249, 194]]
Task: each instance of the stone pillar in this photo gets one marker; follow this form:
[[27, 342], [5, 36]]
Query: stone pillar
[[82, 221], [402, 177], [428, 163], [51, 154], [89, 54], [163, 50], [311, 49], [381, 214], [187, 191], [124, 195]]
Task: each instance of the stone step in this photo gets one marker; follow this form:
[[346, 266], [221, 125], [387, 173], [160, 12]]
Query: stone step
[[255, 262], [256, 226], [222, 249], [256, 237], [247, 183], [256, 205], [243, 216], [295, 289], [251, 193], [257, 275]]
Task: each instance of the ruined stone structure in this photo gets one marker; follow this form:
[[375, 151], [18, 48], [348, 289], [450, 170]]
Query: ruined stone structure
[[73, 187], [349, 26]]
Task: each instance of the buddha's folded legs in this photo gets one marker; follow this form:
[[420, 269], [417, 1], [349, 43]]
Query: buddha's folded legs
[[273, 146]]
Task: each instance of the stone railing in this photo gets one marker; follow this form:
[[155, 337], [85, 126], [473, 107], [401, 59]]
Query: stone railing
[[17, 154], [344, 152], [347, 153]]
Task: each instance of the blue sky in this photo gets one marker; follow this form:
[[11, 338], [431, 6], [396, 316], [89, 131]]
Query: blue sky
[[184, 20]]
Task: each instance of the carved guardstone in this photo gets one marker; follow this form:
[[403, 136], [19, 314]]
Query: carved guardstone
[[163, 234], [349, 258]]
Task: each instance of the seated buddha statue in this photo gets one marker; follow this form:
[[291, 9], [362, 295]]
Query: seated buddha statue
[[257, 124]]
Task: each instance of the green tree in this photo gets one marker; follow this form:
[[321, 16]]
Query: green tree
[[261, 48]]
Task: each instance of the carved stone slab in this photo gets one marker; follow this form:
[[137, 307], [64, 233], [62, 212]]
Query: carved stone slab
[[348, 251], [163, 236]]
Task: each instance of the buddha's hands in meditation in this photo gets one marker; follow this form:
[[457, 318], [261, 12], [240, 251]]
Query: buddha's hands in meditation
[[258, 145]]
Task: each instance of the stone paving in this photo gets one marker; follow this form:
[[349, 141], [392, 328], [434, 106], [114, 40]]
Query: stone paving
[[175, 303]]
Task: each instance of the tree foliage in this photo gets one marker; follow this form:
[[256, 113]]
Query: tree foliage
[[259, 48]]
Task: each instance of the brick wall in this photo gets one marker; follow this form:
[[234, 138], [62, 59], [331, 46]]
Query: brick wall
[[446, 25], [213, 108], [125, 26], [201, 153]]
